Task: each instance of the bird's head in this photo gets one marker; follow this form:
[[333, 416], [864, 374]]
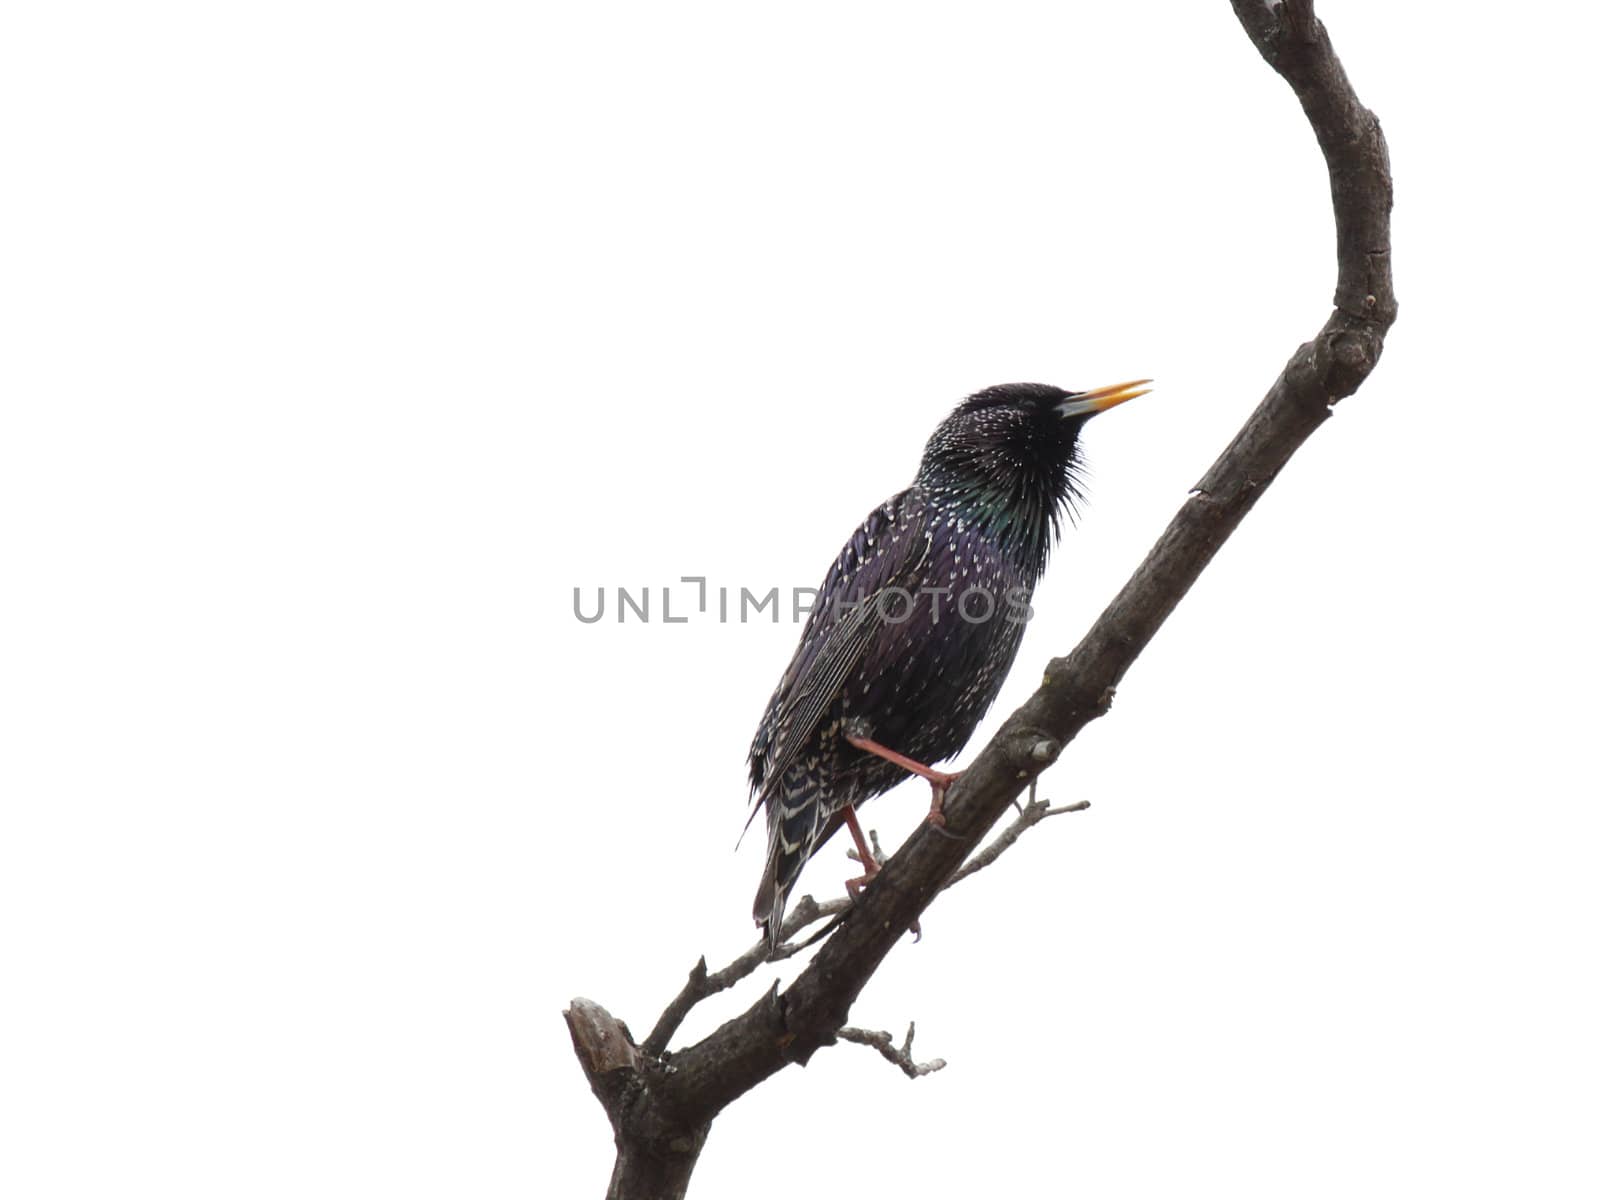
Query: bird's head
[[1008, 457]]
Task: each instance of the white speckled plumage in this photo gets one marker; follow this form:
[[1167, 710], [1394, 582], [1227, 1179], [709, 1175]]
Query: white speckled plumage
[[978, 521]]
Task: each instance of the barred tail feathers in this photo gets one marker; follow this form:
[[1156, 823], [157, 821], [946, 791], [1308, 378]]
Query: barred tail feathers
[[797, 815]]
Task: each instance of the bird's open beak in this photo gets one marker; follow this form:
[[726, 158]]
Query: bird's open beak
[[1100, 399]]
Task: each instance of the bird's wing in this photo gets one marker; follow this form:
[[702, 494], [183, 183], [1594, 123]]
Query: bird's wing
[[886, 552]]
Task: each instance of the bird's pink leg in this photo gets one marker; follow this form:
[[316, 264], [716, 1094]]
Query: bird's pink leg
[[939, 781], [868, 861], [869, 865]]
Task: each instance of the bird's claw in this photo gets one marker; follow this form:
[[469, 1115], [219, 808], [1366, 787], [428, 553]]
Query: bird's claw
[[853, 887], [940, 782]]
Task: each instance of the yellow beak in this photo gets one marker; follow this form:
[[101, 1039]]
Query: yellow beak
[[1099, 399]]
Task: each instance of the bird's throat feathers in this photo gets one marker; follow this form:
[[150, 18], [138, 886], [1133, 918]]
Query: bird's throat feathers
[[1007, 462], [1016, 498]]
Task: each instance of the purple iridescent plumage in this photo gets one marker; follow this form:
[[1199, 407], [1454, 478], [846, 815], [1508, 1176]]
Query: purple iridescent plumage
[[919, 618]]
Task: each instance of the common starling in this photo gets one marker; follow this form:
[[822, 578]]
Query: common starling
[[917, 623]]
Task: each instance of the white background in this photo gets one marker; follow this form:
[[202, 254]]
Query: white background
[[342, 341]]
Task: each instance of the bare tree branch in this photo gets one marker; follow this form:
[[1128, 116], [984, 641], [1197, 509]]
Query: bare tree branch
[[807, 912], [1036, 811], [661, 1111], [701, 985], [883, 1042]]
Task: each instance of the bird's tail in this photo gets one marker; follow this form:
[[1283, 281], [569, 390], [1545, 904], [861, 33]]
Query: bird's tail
[[796, 816]]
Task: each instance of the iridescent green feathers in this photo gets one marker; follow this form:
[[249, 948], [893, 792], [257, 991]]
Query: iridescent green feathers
[[918, 619]]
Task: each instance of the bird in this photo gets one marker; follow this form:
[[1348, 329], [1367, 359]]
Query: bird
[[916, 624]]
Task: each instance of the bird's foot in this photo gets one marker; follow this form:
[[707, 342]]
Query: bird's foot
[[854, 886], [869, 861], [940, 782], [870, 865]]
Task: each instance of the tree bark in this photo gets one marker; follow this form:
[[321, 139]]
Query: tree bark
[[661, 1104]]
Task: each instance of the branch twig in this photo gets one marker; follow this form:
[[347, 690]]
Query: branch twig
[[883, 1042], [701, 984], [1027, 818]]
